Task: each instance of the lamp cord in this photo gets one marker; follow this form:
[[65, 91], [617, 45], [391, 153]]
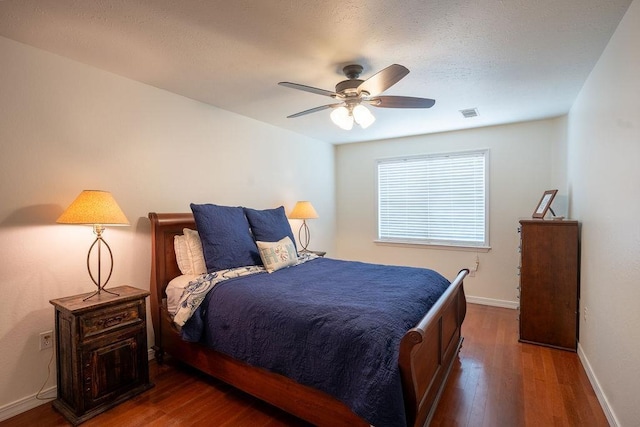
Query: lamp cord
[[47, 379]]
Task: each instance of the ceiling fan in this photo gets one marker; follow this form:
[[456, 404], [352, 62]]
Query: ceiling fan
[[353, 93]]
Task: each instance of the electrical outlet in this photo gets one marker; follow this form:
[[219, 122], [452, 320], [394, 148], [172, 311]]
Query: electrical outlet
[[46, 340], [584, 314], [472, 270]]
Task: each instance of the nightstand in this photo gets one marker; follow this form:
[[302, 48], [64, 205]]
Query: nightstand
[[319, 253], [101, 351]]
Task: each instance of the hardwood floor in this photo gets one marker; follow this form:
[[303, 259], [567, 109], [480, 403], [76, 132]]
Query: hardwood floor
[[495, 382], [500, 382]]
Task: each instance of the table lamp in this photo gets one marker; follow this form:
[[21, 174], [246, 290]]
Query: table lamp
[[303, 210], [96, 208]]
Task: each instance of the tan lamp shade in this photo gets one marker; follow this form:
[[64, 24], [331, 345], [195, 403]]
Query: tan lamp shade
[[94, 207], [303, 210]]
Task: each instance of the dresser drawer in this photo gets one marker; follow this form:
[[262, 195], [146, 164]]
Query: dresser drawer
[[110, 319]]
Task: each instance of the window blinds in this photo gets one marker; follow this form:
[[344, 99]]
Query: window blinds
[[435, 199]]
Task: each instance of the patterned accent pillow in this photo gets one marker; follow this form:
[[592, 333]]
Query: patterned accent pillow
[[277, 255]]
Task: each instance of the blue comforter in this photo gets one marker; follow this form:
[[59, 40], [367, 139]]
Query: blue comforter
[[329, 324]]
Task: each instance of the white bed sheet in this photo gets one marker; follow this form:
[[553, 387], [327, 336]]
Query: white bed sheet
[[175, 288]]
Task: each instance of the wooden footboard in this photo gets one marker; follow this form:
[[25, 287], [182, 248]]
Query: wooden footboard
[[427, 351]]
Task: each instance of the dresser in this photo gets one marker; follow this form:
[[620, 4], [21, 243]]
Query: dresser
[[101, 351], [549, 283]]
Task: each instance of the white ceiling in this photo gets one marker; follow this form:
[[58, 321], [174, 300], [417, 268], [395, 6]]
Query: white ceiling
[[513, 60]]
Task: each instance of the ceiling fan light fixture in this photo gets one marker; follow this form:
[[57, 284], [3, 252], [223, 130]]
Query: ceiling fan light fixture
[[363, 116], [342, 118], [352, 92]]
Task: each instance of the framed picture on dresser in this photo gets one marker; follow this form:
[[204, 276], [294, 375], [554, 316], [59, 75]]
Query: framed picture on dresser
[[544, 204]]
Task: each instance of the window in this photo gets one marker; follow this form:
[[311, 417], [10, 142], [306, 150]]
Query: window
[[434, 199]]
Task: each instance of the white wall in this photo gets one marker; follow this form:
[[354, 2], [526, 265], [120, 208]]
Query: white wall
[[65, 127], [520, 171], [604, 182]]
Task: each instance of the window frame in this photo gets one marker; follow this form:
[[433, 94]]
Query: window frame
[[437, 243]]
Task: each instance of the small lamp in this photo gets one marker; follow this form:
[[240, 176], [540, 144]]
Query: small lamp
[[97, 208], [303, 210]]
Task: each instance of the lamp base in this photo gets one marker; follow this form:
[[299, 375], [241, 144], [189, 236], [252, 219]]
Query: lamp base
[[304, 236], [98, 229], [98, 293]]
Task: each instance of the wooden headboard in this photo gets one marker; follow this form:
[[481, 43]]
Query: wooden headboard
[[164, 226]]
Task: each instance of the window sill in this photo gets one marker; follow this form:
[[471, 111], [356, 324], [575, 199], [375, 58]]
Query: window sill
[[442, 246]]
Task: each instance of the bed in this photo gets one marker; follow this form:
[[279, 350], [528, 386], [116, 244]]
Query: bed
[[425, 355]]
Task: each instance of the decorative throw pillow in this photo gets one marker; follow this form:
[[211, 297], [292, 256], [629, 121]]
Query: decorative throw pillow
[[226, 237], [277, 255], [269, 225]]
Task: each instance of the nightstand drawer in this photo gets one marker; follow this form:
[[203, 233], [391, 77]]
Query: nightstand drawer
[[108, 320]]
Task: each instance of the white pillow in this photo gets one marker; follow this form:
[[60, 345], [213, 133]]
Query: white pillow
[[182, 254], [195, 249], [277, 255], [189, 255]]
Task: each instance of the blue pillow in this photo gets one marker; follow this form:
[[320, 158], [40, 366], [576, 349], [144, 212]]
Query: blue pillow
[[269, 225], [226, 237]]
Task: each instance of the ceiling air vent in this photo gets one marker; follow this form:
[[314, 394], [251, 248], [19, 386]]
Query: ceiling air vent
[[469, 112]]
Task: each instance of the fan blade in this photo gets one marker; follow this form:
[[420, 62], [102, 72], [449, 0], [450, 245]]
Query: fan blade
[[400, 102], [383, 80], [309, 89], [313, 110]]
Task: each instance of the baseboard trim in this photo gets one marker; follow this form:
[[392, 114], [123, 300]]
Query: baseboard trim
[[30, 402], [602, 398], [492, 302], [26, 403]]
